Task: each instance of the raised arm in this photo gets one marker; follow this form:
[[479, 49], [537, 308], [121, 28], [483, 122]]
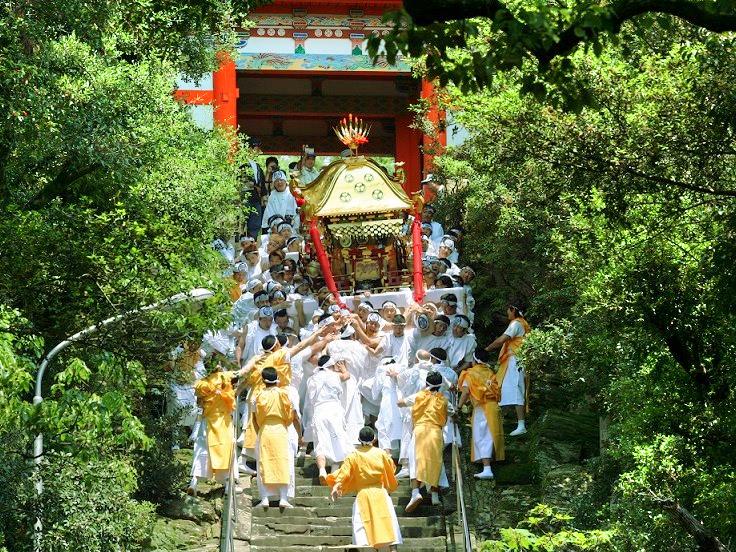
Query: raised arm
[[498, 342], [299, 347], [240, 347], [370, 342]]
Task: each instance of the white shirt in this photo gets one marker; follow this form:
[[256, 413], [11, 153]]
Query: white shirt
[[437, 233], [427, 342], [307, 175], [398, 348], [461, 349], [281, 203], [242, 308], [253, 339], [324, 386], [515, 329]]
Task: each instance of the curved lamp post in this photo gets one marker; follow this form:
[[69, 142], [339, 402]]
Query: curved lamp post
[[194, 295]]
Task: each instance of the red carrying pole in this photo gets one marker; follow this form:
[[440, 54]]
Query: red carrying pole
[[324, 262], [416, 235]]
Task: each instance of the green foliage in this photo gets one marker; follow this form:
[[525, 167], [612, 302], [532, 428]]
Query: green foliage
[[474, 43], [162, 474], [87, 506], [546, 529], [110, 196], [616, 225]]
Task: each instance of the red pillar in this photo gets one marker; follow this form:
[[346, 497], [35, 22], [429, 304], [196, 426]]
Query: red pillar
[[408, 141], [225, 91], [432, 144]]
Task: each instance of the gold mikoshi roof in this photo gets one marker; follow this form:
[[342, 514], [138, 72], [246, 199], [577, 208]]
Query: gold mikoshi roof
[[354, 186]]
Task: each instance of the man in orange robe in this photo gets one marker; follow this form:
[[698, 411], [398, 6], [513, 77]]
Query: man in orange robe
[[369, 471], [216, 397], [429, 411], [272, 417], [511, 376], [479, 385]]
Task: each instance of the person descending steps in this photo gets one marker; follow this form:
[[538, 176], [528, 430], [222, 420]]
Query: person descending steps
[[325, 391], [479, 385], [273, 414], [429, 414], [369, 471]]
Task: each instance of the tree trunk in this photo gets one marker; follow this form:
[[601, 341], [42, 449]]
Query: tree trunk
[[706, 541]]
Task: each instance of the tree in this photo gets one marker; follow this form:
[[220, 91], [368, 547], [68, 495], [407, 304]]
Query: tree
[[616, 225], [470, 42], [110, 197]]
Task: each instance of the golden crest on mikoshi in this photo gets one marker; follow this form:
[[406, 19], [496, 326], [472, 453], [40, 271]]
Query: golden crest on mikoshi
[[352, 132]]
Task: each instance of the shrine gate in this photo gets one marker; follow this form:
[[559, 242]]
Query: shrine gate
[[300, 68]]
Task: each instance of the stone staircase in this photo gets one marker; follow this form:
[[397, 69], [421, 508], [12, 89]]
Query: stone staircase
[[316, 523]]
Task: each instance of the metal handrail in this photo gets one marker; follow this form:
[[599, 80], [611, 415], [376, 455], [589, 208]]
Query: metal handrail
[[229, 508], [459, 486]]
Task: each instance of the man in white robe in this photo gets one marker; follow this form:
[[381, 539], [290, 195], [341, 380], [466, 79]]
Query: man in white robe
[[389, 425], [325, 390], [398, 341], [462, 344], [281, 202], [249, 344], [355, 356]]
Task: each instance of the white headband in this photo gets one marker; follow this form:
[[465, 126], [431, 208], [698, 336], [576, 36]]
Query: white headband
[[434, 387], [388, 304], [479, 361], [461, 322], [435, 357], [373, 317], [366, 442], [329, 364], [271, 348]]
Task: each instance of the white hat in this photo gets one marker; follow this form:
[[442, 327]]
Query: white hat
[[461, 321], [252, 284], [217, 342], [278, 175], [448, 243]]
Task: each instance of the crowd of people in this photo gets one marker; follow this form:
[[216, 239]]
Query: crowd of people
[[368, 387]]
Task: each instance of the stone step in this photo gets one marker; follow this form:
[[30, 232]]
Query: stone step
[[275, 527], [334, 521], [324, 500], [284, 542], [314, 490], [424, 510], [408, 546]]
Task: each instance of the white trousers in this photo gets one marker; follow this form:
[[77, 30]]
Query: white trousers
[[482, 438], [514, 387], [359, 536]]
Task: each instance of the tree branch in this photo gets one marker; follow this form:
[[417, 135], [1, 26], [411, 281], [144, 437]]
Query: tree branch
[[59, 186], [426, 12], [706, 541], [621, 12]]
